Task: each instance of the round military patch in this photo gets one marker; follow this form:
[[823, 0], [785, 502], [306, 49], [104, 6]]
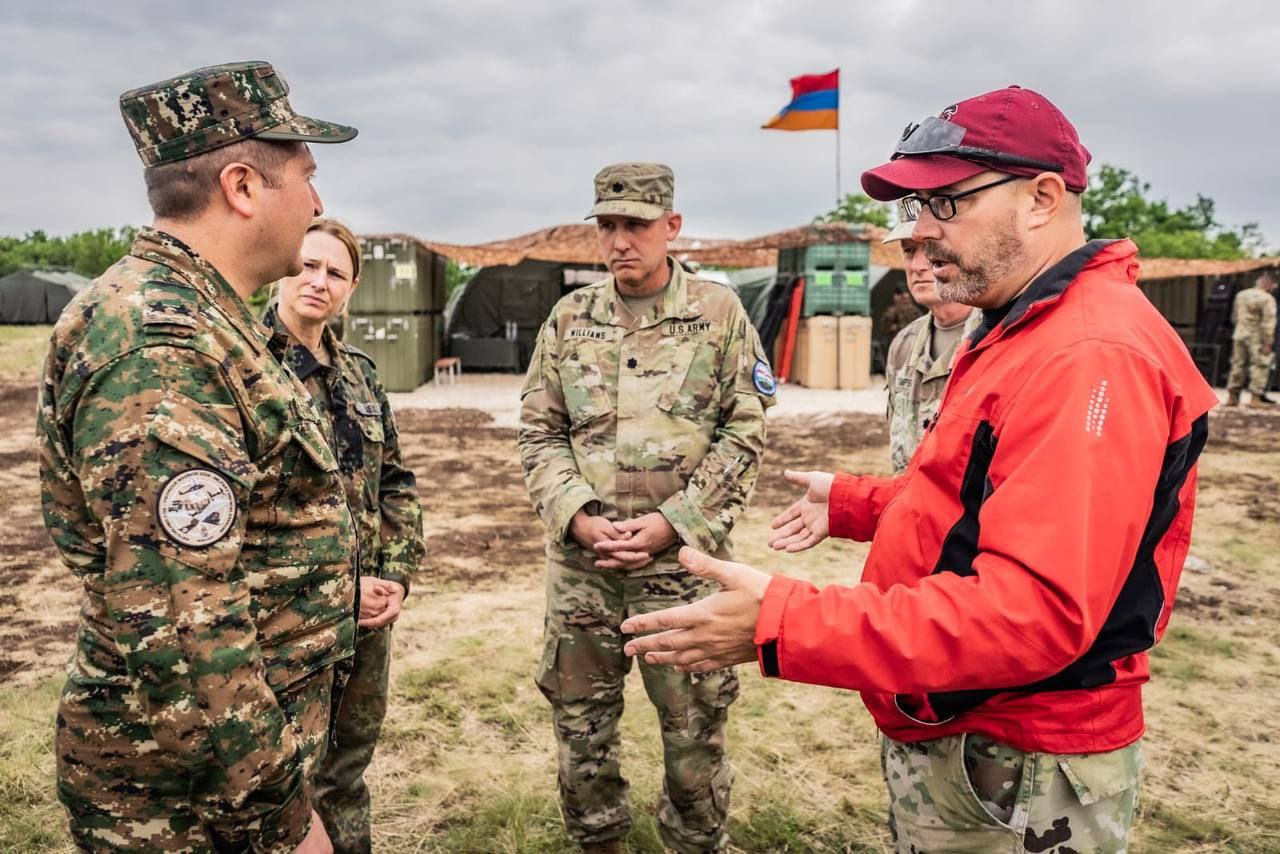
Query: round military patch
[[763, 378], [197, 508]]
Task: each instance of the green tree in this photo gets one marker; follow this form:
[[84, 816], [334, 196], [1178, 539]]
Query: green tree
[[88, 253], [456, 275], [858, 208], [1118, 204]]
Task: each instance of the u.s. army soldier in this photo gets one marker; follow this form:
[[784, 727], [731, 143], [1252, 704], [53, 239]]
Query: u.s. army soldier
[[186, 480], [641, 428]]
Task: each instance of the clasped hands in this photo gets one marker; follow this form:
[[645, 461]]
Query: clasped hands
[[719, 631], [380, 602], [626, 545]]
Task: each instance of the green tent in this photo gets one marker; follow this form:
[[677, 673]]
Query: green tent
[[37, 296]]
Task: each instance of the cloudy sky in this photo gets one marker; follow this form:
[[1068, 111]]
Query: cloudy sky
[[483, 120]]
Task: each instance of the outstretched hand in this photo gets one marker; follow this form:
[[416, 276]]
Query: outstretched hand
[[715, 632], [804, 524]]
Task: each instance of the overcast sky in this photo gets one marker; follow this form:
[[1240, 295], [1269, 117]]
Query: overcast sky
[[483, 120]]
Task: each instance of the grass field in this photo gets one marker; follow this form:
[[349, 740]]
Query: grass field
[[466, 760]]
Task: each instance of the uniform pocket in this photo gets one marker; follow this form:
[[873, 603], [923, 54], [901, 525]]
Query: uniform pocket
[[371, 427], [1095, 777], [586, 396], [692, 386]]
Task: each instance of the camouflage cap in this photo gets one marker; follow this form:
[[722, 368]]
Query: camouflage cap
[[640, 190], [215, 106], [905, 225]]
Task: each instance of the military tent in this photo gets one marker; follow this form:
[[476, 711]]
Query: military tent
[[37, 296]]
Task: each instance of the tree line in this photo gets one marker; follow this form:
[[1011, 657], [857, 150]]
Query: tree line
[[1118, 204]]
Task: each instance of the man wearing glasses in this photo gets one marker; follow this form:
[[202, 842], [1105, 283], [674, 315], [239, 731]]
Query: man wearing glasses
[[1028, 557]]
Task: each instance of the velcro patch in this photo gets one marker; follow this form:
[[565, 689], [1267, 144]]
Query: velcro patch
[[688, 327], [762, 376], [594, 333], [196, 508], [368, 408]]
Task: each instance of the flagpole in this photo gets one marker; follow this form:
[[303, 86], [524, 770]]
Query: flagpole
[[838, 194]]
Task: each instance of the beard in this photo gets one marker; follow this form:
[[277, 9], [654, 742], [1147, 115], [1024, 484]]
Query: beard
[[998, 254]]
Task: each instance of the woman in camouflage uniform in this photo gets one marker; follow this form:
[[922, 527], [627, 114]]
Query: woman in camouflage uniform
[[382, 496]]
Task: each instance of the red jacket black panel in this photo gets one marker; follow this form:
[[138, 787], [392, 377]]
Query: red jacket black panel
[[1029, 555]]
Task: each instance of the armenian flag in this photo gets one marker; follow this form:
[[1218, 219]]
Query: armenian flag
[[815, 104]]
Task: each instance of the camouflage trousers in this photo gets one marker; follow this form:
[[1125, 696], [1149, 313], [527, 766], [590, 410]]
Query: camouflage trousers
[[968, 793], [1249, 367], [582, 673], [342, 798], [122, 792]]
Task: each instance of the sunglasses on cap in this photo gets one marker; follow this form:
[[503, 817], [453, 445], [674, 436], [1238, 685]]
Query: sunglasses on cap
[[939, 136]]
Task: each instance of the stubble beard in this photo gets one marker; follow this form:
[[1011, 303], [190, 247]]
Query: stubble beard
[[999, 254]]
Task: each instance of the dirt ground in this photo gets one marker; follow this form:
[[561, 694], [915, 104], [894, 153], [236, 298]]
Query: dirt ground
[[466, 761], [480, 530]]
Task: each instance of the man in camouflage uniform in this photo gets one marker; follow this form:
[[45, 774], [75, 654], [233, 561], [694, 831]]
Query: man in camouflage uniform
[[641, 428], [921, 354], [1252, 341], [187, 482]]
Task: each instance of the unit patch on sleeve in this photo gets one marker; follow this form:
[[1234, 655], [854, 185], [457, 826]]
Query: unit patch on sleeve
[[196, 508], [763, 378]]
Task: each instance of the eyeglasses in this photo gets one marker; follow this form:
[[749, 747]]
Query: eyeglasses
[[943, 205], [933, 135]]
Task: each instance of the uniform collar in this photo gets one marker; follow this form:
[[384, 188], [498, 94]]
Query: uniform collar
[[675, 302], [300, 358], [163, 248]]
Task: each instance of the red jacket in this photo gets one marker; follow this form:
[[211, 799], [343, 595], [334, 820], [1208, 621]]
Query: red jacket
[[1030, 553]]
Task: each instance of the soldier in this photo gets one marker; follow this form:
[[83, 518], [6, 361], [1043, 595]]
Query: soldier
[[901, 312], [920, 356], [1252, 340], [343, 383], [641, 428], [187, 482]]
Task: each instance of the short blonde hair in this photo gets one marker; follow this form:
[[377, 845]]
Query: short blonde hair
[[348, 239]]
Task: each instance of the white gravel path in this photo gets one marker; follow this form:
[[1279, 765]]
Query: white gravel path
[[499, 395]]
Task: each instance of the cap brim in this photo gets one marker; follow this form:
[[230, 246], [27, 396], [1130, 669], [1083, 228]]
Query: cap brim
[[901, 231], [307, 129], [897, 178], [635, 210]]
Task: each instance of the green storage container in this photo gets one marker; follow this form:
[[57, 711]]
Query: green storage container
[[836, 277], [397, 275], [395, 342]]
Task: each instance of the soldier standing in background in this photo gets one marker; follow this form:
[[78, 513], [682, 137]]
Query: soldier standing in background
[[382, 493], [920, 356], [1254, 314], [641, 428], [187, 482]]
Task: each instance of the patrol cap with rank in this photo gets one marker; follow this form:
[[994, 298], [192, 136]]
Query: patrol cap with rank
[[210, 107], [640, 190]]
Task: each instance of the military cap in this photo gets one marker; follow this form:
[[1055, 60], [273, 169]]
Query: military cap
[[640, 190], [210, 107], [905, 225]]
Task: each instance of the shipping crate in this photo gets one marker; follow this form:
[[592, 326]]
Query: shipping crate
[[397, 276], [394, 342], [854, 366]]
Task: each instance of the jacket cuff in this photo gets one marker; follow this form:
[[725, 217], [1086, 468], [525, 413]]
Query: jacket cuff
[[561, 512], [768, 637], [399, 573], [689, 523], [851, 511]]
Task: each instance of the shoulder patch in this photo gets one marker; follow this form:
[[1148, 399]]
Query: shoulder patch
[[762, 376], [196, 508]]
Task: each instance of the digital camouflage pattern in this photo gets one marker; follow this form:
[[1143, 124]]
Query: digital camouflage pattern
[[210, 107], [197, 697], [968, 793], [628, 415], [582, 672], [383, 497], [640, 190], [1254, 314], [915, 383]]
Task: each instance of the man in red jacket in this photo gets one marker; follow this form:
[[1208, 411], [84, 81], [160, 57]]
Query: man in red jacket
[[1028, 557]]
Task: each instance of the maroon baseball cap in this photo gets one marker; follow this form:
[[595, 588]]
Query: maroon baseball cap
[[1014, 130]]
